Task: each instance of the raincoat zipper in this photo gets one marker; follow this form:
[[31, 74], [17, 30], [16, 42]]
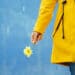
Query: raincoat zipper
[[63, 36], [61, 19]]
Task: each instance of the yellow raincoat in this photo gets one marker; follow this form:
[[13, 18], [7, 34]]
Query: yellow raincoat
[[63, 49]]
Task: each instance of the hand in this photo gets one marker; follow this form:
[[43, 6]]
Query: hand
[[35, 37]]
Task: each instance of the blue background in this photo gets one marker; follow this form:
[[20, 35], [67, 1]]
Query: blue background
[[17, 18]]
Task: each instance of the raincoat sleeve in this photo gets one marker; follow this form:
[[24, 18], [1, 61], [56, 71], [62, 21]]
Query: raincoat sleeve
[[44, 15]]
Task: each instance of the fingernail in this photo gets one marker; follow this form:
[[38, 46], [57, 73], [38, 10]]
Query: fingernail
[[34, 42]]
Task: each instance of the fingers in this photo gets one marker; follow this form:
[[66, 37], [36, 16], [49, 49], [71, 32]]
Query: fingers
[[35, 37]]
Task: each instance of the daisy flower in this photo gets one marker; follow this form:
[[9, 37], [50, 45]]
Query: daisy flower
[[27, 51]]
